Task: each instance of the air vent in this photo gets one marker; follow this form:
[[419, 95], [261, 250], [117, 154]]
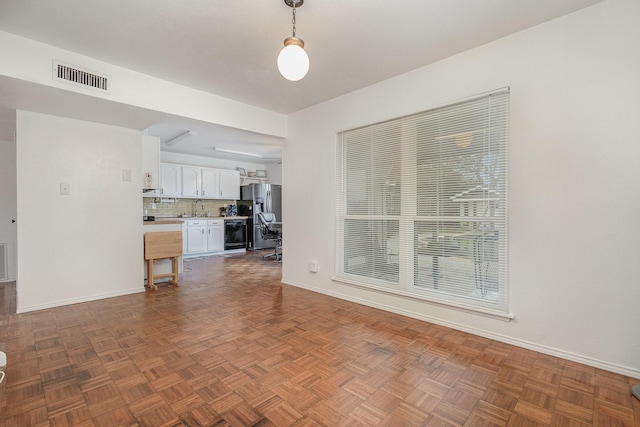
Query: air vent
[[79, 77]]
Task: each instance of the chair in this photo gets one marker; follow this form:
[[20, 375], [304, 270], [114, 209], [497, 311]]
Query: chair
[[160, 245], [271, 229]]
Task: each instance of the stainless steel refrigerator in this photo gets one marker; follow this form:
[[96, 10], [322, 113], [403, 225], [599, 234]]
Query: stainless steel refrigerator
[[256, 198]]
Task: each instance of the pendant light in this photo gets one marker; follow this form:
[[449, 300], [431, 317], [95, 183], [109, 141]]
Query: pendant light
[[293, 61]]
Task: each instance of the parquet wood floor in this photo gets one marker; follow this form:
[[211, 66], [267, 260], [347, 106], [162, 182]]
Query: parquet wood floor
[[234, 347]]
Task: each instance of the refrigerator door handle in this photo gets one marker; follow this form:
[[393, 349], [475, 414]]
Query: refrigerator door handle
[[269, 201]]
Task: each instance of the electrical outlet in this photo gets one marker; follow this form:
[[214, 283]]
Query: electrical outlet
[[3, 361]]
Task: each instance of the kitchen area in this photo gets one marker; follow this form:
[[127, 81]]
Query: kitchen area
[[216, 209]]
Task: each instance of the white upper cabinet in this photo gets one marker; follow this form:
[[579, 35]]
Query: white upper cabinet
[[199, 183], [191, 181], [171, 177], [210, 183], [229, 184]]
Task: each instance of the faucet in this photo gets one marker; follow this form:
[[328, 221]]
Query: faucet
[[195, 205]]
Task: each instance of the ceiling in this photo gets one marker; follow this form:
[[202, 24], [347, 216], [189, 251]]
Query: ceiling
[[229, 48]]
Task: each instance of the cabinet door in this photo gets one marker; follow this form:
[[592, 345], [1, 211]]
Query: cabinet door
[[171, 179], [196, 240], [191, 181], [229, 184], [184, 238], [210, 189], [215, 236]]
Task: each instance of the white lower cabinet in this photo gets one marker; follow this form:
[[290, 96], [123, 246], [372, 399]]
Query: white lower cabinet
[[196, 239], [184, 238], [204, 236], [215, 235]]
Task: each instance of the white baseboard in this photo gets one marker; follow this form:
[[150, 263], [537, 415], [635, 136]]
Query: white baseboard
[[79, 300], [585, 360]]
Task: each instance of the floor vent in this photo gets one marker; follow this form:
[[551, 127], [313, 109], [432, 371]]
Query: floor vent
[[79, 77], [4, 275]]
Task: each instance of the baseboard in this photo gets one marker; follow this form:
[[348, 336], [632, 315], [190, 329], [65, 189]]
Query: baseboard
[[585, 360], [79, 300]]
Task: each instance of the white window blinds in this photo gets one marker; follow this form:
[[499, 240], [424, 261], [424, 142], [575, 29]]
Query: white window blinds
[[421, 204]]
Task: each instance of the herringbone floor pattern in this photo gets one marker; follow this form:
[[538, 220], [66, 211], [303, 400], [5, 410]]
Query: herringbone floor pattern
[[234, 347]]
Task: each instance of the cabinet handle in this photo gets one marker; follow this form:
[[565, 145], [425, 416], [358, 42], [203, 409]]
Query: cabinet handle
[[203, 192]]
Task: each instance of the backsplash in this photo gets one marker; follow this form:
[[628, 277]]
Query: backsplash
[[183, 207]]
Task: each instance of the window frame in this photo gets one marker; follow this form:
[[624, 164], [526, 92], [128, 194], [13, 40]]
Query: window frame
[[367, 212]]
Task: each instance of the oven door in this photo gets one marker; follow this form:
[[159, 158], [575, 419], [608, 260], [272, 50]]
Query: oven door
[[235, 234]]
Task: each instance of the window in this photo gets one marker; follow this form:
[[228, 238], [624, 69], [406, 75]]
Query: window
[[421, 204]]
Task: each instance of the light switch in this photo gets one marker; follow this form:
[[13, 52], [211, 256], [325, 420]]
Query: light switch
[[65, 189], [126, 174], [313, 266]]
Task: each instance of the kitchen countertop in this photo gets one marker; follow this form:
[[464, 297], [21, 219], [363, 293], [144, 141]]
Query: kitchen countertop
[[164, 221], [174, 220], [211, 217]]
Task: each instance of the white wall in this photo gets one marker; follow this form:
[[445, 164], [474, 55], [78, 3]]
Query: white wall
[[31, 61], [87, 245], [574, 194], [8, 203]]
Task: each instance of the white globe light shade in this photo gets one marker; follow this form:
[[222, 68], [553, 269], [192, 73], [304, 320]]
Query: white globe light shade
[[293, 62]]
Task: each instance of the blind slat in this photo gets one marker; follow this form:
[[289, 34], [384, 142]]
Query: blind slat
[[421, 203]]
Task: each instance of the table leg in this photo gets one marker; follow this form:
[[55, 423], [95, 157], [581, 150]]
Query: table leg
[[150, 284]]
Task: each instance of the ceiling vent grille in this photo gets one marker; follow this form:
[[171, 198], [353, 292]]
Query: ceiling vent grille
[[79, 77]]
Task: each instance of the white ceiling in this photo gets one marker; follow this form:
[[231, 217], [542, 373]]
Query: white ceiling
[[229, 47]]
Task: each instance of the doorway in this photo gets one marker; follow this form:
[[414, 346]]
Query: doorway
[[8, 243], [8, 211]]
